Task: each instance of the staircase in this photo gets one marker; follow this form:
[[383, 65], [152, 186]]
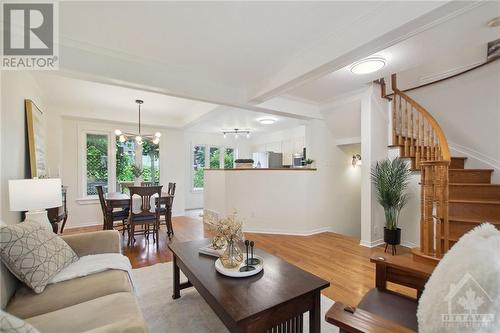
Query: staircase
[[454, 199]]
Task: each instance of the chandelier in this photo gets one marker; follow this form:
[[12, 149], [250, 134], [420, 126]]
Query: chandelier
[[236, 133], [139, 137]]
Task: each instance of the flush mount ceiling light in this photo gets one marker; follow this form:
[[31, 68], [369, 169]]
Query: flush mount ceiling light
[[266, 121], [368, 65], [122, 136], [495, 22]]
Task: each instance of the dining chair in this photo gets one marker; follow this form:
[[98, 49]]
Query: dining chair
[[120, 215], [146, 215], [167, 210]]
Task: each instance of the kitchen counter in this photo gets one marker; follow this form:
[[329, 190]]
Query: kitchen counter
[[283, 201]]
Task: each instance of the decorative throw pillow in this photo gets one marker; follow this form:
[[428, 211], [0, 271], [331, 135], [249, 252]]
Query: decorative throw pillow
[[11, 324], [33, 254], [463, 292]]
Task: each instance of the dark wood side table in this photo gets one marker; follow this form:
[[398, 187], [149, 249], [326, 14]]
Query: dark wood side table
[[59, 214], [272, 301]]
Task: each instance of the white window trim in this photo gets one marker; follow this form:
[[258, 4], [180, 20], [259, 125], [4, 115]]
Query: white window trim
[[82, 163]]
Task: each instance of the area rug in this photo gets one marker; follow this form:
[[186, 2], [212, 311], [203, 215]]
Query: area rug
[[190, 313]]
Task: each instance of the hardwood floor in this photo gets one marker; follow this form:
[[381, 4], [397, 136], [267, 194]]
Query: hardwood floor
[[336, 258]]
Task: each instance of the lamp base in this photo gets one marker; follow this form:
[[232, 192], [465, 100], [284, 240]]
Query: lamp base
[[39, 216]]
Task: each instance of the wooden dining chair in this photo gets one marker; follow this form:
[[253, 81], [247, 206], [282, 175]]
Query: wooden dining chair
[[120, 215], [166, 210], [147, 216]]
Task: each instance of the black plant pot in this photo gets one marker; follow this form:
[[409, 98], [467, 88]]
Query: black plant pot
[[393, 238]]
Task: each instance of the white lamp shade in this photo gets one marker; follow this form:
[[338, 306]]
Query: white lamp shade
[[34, 194]]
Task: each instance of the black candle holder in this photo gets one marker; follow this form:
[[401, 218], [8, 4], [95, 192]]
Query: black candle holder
[[247, 267], [251, 261]]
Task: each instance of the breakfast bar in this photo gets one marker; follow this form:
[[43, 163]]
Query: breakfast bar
[[271, 200]]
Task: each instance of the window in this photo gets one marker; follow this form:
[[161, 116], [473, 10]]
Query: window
[[126, 157], [214, 157], [228, 158], [198, 167], [96, 162], [104, 160]]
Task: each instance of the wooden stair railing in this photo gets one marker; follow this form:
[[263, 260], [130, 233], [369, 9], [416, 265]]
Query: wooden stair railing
[[420, 137]]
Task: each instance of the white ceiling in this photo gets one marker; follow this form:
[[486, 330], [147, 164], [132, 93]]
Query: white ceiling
[[80, 98], [232, 43], [231, 118], [455, 44]]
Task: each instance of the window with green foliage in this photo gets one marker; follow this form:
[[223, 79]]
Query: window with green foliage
[[198, 167], [97, 162], [228, 158], [126, 153], [214, 157], [151, 162]]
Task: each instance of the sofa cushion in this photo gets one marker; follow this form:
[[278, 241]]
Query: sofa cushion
[[91, 315], [12, 324], [33, 254], [26, 303]]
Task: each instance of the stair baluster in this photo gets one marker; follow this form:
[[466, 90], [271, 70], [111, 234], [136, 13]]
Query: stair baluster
[[424, 140]]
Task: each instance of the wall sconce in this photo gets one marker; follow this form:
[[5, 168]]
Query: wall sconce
[[356, 160]]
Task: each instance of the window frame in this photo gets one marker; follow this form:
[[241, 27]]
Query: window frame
[[222, 150], [82, 169], [86, 128]]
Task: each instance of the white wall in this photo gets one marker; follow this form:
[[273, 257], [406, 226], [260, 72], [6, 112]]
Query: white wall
[[468, 109], [16, 87], [289, 141], [194, 199], [374, 142]]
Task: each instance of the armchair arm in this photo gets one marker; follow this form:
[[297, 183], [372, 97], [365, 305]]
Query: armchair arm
[[97, 242], [353, 320], [402, 270]]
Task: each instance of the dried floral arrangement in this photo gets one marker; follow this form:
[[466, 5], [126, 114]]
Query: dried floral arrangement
[[227, 230]]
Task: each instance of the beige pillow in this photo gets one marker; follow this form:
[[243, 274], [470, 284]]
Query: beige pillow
[[11, 324], [33, 254]]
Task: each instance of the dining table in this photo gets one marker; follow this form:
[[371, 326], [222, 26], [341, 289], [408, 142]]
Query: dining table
[[122, 200]]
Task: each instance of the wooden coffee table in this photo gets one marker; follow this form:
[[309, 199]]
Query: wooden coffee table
[[272, 301]]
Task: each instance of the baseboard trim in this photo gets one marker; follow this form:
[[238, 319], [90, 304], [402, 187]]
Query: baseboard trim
[[409, 245], [288, 232], [371, 244]]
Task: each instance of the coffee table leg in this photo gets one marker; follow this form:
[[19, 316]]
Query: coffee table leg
[[177, 280], [315, 313]]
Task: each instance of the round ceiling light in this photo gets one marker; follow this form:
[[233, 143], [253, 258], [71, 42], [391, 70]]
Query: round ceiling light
[[267, 121], [368, 65], [495, 22]]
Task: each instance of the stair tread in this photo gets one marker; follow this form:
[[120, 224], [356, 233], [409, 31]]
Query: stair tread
[[475, 170], [495, 202], [473, 184], [470, 220]]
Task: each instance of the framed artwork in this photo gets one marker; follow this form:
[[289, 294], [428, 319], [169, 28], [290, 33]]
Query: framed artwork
[[36, 139]]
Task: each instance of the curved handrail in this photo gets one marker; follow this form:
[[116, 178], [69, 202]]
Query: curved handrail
[[445, 150]]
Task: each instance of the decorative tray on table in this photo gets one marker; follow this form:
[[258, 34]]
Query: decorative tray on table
[[237, 271]]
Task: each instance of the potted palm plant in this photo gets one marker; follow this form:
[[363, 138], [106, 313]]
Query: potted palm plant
[[391, 178]]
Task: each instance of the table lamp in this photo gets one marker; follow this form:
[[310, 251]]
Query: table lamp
[[35, 196]]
